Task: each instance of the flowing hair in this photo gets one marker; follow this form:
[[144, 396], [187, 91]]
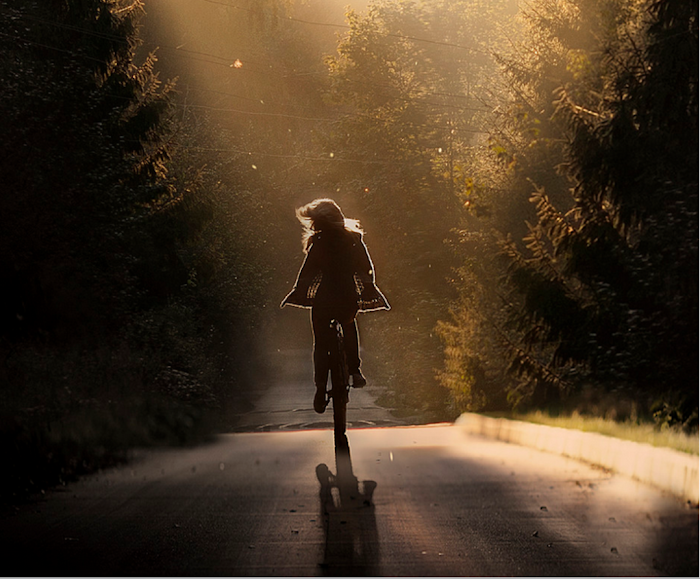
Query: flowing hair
[[323, 214]]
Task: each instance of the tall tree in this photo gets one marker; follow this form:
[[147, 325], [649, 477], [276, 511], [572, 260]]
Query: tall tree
[[605, 293], [83, 163], [412, 83], [97, 320]]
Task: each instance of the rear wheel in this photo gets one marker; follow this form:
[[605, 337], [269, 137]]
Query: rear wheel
[[339, 380], [340, 411]]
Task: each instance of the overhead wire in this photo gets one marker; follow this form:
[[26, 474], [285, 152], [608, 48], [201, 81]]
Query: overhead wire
[[337, 120], [65, 51], [231, 110], [348, 27], [205, 107], [220, 60], [331, 158]]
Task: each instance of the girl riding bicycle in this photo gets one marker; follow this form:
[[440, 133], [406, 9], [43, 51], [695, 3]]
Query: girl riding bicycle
[[336, 281]]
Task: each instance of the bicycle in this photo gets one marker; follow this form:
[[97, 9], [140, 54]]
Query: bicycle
[[340, 382]]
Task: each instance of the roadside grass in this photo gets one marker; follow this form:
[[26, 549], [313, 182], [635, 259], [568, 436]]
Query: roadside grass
[[629, 430]]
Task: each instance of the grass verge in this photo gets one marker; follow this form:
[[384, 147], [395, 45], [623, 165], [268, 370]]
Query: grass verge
[[637, 432]]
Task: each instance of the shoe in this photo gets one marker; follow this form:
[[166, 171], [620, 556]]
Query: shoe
[[320, 400], [358, 380]]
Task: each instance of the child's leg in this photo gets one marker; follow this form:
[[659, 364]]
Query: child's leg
[[352, 341], [323, 337]]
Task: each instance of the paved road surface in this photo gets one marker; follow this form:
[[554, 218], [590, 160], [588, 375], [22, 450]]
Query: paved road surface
[[287, 403], [412, 501], [401, 500]]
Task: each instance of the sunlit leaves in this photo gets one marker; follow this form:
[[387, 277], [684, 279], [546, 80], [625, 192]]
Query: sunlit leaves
[[597, 291], [415, 79]]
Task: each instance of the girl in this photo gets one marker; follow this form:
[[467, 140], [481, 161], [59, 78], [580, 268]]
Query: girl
[[336, 281]]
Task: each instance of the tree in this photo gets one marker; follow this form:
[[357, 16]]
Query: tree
[[410, 80], [604, 293], [83, 162], [99, 318]]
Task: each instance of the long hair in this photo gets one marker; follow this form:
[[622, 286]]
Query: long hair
[[323, 215]]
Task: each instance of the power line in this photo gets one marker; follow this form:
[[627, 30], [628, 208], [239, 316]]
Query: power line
[[219, 60], [220, 109], [313, 119], [65, 51], [277, 103], [331, 158], [326, 159], [258, 113], [347, 27]]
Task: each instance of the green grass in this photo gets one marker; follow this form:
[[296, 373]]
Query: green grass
[[636, 432]]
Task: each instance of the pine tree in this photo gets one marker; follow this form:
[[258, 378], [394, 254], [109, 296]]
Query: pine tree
[[605, 292], [83, 164]]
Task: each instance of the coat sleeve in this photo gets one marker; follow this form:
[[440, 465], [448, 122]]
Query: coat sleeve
[[370, 298], [364, 268], [305, 278]]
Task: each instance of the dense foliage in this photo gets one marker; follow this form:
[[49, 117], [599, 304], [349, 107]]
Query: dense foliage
[[411, 80], [603, 293], [114, 318]]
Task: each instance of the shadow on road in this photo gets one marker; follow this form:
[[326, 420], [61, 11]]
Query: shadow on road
[[351, 541]]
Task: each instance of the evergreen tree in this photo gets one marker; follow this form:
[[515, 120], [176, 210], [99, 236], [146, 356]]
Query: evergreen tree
[[411, 81], [100, 316], [606, 292], [83, 167]]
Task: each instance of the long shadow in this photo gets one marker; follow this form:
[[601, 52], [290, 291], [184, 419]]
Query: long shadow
[[349, 526]]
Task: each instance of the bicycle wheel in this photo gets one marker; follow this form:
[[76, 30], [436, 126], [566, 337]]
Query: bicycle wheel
[[339, 380]]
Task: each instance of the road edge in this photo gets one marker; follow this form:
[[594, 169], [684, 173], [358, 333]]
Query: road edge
[[664, 468]]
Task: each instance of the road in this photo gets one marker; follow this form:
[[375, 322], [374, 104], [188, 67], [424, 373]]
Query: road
[[281, 500], [286, 403]]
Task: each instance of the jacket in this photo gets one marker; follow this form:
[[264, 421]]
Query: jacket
[[337, 272]]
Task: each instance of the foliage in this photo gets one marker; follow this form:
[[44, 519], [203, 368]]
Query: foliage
[[72, 410], [410, 80], [603, 289], [83, 168], [118, 286], [627, 429]]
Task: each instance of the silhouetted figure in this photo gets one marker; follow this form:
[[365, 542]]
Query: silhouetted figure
[[336, 281], [349, 526]]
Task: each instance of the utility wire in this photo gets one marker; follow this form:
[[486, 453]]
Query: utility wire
[[347, 27], [444, 105], [329, 158], [65, 51], [313, 119], [220, 109], [231, 110], [219, 60]]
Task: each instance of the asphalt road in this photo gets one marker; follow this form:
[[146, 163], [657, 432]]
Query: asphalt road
[[287, 402], [282, 500]]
